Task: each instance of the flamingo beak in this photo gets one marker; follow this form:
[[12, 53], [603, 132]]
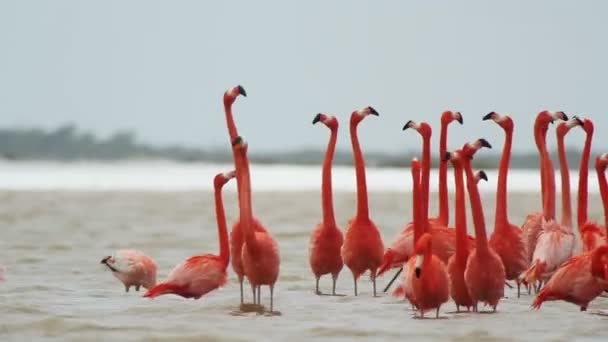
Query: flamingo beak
[[489, 116], [105, 262], [484, 143], [419, 261], [408, 124], [372, 111], [238, 140], [316, 119], [447, 156], [242, 91], [482, 175], [578, 121]]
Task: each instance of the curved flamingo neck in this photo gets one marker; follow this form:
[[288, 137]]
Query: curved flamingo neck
[[547, 176], [245, 209], [444, 210], [329, 219], [222, 229], [232, 132], [603, 185], [564, 170], [501, 219], [426, 177], [416, 205], [362, 206], [583, 182], [461, 217], [481, 238]]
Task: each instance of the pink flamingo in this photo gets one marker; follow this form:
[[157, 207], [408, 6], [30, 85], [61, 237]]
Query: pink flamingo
[[485, 272], [556, 242], [236, 235], [579, 280], [326, 239], [458, 262], [402, 246], [591, 232], [533, 223], [507, 239], [601, 162], [363, 248], [260, 253], [132, 268], [201, 274]]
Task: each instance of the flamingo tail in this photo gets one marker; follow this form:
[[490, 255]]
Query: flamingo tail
[[387, 262], [540, 298], [164, 288]]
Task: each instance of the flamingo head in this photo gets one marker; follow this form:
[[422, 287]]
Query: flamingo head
[[238, 143], [601, 162], [421, 127], [479, 175], [503, 121], [586, 124], [448, 116], [109, 262], [599, 262], [328, 120], [423, 246], [469, 149], [360, 114], [222, 178], [231, 94], [565, 126]]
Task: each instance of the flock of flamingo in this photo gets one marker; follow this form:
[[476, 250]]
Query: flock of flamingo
[[438, 262]]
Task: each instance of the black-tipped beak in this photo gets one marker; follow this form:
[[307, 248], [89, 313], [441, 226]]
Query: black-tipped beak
[[578, 120], [446, 156], [459, 118], [418, 271], [372, 111], [565, 116], [482, 175], [484, 143], [242, 91], [316, 119], [105, 262], [407, 125], [489, 116], [237, 141]]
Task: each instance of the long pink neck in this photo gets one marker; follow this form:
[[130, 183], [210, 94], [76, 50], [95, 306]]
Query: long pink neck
[[564, 171], [481, 238], [444, 209], [603, 184], [426, 177], [245, 209], [549, 181], [329, 219], [222, 230], [362, 207], [501, 219], [232, 132], [416, 204], [582, 182], [462, 252]]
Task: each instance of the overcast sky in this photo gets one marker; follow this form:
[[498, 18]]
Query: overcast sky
[[160, 67]]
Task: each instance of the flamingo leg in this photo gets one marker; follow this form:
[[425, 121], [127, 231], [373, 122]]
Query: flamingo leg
[[241, 286], [127, 288], [259, 290], [253, 291], [137, 287], [374, 281], [317, 287], [457, 308], [393, 280], [437, 313], [518, 289], [355, 280], [334, 278], [271, 298]]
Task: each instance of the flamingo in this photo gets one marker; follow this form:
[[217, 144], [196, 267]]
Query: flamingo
[[201, 274], [132, 268], [326, 239], [556, 242], [431, 282], [601, 162], [260, 253], [236, 235], [507, 239], [579, 280], [363, 248], [485, 273], [533, 223], [562, 129], [402, 246], [591, 232], [458, 262]]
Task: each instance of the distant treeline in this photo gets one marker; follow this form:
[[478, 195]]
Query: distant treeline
[[67, 143]]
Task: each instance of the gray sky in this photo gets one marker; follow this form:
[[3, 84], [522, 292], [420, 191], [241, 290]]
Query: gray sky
[[160, 67]]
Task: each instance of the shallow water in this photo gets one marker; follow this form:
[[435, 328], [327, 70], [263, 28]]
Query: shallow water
[[55, 288]]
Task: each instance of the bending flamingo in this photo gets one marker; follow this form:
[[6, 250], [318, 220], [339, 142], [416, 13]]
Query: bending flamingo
[[458, 262], [201, 274], [556, 242], [326, 240], [236, 235], [363, 248], [402, 246], [579, 280], [533, 223], [260, 253], [132, 268], [485, 272], [591, 232], [507, 239]]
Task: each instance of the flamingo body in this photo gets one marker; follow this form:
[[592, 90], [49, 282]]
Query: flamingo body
[[485, 286], [325, 254], [261, 268], [429, 278], [510, 245], [363, 249], [132, 268]]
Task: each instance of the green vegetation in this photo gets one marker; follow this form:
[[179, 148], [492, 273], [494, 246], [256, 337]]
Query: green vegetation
[[67, 143]]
